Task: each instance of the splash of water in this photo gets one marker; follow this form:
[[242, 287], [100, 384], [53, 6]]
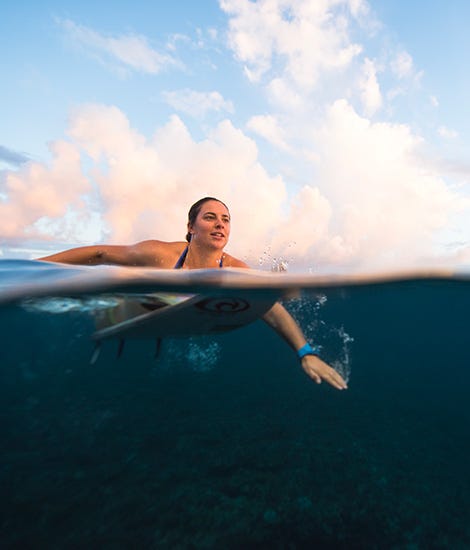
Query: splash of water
[[334, 342]]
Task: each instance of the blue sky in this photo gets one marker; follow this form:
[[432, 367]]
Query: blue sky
[[337, 130]]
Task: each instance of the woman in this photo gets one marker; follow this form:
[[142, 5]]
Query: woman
[[208, 233]]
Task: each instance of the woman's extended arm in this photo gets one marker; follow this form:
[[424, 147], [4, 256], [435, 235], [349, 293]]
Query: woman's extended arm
[[91, 255], [146, 253], [284, 324]]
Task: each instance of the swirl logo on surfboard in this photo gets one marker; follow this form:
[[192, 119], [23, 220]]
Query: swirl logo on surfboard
[[223, 305]]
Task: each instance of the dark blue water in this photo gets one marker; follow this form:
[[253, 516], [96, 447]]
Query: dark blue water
[[224, 442]]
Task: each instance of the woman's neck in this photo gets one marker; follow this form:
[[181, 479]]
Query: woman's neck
[[202, 259]]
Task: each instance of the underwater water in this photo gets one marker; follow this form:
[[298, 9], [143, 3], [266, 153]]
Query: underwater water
[[223, 442]]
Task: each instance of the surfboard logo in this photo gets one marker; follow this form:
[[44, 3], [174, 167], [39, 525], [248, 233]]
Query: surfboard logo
[[223, 305]]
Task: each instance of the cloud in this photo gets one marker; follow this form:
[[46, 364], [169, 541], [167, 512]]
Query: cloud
[[371, 95], [38, 192], [268, 127], [388, 202], [402, 65], [176, 39], [14, 158], [459, 168], [447, 133], [136, 188], [371, 199], [197, 104], [365, 195], [302, 39], [281, 93], [124, 52], [306, 225]]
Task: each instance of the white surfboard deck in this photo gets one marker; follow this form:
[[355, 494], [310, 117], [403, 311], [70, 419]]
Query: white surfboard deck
[[191, 315]]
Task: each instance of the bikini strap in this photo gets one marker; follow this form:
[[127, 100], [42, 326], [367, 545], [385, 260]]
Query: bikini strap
[[179, 264]]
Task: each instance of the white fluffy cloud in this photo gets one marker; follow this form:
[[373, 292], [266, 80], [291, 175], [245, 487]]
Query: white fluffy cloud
[[142, 188], [197, 104], [371, 95], [373, 200], [123, 52], [268, 127], [362, 193], [306, 38], [38, 192], [389, 201]]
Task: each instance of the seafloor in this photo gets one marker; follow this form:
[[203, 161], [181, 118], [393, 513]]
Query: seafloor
[[225, 443]]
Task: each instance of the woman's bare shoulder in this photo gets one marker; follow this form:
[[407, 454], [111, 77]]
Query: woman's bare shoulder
[[157, 253], [154, 244], [230, 261]]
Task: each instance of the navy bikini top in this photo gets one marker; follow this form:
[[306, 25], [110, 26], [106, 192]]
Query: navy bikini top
[[179, 264]]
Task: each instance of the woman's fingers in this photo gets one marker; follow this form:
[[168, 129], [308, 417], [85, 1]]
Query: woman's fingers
[[318, 370]]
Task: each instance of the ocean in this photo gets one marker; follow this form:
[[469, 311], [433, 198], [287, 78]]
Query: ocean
[[222, 441]]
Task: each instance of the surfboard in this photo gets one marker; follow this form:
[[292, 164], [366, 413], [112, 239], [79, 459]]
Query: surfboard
[[219, 299], [181, 315]]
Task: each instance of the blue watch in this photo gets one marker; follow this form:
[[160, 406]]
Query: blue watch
[[308, 350]]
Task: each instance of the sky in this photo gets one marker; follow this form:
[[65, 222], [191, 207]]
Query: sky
[[337, 131]]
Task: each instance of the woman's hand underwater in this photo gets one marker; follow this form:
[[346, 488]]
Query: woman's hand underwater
[[318, 370]]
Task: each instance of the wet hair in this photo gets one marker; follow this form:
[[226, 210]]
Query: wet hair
[[196, 208]]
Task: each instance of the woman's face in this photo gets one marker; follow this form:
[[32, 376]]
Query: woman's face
[[212, 225]]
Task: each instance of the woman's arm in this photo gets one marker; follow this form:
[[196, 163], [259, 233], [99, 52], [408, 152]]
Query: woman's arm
[[91, 255], [284, 324], [146, 253]]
